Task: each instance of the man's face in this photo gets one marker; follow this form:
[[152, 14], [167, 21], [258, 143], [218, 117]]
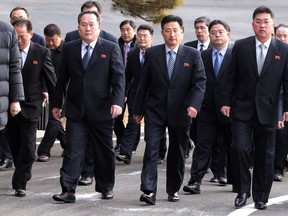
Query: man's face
[[201, 32], [18, 14], [172, 34], [144, 38], [127, 33], [53, 42], [282, 34], [24, 37], [219, 37], [89, 28], [263, 26]]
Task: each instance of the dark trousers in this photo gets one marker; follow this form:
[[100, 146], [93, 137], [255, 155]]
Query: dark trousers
[[281, 149], [178, 144], [22, 135], [119, 127], [263, 137], [78, 134], [5, 145], [210, 134], [54, 129]]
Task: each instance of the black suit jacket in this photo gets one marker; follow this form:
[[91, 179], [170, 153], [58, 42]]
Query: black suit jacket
[[74, 35], [166, 101], [133, 72], [213, 98], [194, 44], [247, 92], [91, 93], [38, 67], [36, 38]]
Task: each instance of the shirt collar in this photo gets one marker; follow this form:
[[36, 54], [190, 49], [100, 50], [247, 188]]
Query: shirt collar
[[267, 43], [92, 44], [206, 44], [175, 49], [222, 51], [26, 49]]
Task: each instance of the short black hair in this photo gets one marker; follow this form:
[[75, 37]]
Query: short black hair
[[25, 22], [130, 22], [221, 22], [279, 26], [89, 12], [52, 29], [18, 8], [90, 4], [172, 18], [146, 27], [263, 9], [204, 19]]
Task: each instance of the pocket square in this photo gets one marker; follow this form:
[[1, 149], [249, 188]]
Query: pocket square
[[186, 64], [35, 62], [103, 56], [277, 57]]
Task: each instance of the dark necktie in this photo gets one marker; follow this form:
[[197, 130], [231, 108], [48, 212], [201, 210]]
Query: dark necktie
[[170, 65], [142, 59], [201, 47], [126, 50], [86, 57], [261, 58], [217, 63]]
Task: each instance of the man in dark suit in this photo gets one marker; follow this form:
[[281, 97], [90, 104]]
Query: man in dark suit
[[22, 13], [259, 67], [87, 172], [92, 6], [202, 43], [212, 125], [94, 98], [6, 156], [36, 67], [281, 147], [54, 128], [170, 93]]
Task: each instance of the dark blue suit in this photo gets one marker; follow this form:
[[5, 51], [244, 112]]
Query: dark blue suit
[[164, 103]]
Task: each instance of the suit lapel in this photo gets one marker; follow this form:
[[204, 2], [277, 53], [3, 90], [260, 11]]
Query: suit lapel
[[29, 57], [97, 53], [179, 62], [226, 61], [163, 62], [252, 55], [272, 51]]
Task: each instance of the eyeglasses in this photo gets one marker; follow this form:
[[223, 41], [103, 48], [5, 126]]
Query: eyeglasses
[[263, 22]]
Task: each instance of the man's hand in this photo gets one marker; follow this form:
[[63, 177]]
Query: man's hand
[[285, 116], [15, 108], [137, 118], [225, 110], [116, 111], [192, 112], [46, 97], [56, 113], [280, 124]]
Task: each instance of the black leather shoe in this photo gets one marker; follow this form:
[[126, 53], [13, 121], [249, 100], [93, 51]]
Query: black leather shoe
[[66, 197], [192, 188], [5, 163], [222, 181], [174, 197], [107, 195], [260, 205], [85, 181], [148, 198], [123, 158], [278, 177], [20, 193], [241, 199]]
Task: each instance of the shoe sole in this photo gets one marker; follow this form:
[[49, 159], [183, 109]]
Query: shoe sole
[[189, 190], [61, 200], [143, 199]]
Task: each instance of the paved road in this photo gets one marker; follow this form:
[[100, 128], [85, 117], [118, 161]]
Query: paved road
[[214, 200]]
